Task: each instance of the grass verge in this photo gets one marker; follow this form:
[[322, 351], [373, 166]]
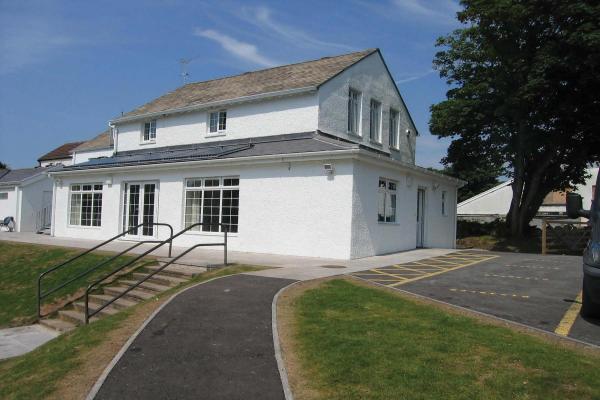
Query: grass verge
[[68, 366], [346, 341], [21, 265]]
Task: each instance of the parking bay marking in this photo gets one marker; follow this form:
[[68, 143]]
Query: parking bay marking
[[567, 321], [518, 277], [490, 293]]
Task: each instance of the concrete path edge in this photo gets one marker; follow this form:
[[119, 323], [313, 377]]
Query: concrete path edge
[[287, 390], [94, 390]]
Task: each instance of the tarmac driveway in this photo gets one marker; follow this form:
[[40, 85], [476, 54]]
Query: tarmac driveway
[[538, 291]]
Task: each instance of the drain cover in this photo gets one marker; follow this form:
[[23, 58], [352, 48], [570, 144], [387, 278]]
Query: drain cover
[[332, 266]]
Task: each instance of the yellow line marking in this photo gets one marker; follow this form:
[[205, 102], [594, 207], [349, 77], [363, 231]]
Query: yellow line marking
[[385, 273], [408, 269], [567, 321], [428, 265], [488, 293], [518, 277], [439, 272]]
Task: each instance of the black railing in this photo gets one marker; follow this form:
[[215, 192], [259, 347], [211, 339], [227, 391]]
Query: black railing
[[41, 296], [93, 285]]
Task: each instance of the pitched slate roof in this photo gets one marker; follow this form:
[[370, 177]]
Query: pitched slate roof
[[286, 77], [281, 144], [16, 176], [102, 141], [63, 151]]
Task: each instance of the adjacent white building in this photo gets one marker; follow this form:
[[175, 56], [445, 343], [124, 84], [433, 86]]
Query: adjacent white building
[[312, 159]]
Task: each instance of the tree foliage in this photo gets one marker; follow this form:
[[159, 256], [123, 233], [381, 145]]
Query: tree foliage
[[3, 165], [524, 95]]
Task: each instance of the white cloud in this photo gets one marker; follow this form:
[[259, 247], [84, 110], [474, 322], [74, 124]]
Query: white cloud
[[414, 77], [438, 10], [262, 17], [242, 50], [26, 41]]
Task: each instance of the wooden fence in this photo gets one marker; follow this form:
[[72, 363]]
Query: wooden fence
[[564, 237]]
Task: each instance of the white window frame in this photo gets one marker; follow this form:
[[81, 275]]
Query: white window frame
[[201, 187], [394, 131], [3, 195], [354, 121], [444, 203], [220, 114], [151, 132], [375, 125], [81, 192], [389, 203]]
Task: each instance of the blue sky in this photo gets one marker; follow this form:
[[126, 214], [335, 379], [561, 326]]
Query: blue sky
[[67, 67]]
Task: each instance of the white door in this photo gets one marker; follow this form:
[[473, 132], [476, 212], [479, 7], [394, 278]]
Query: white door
[[420, 217], [139, 206]]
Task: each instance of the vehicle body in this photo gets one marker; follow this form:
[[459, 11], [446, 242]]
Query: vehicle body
[[591, 256]]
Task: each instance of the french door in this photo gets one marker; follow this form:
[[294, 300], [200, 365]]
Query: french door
[[139, 206]]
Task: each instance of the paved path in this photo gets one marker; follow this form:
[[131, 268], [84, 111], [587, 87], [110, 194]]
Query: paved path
[[21, 340], [213, 341]]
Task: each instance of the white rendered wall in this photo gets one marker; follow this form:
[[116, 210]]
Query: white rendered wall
[[31, 197], [495, 202], [585, 190], [291, 209], [83, 156], [370, 77], [8, 207], [265, 118], [370, 237]]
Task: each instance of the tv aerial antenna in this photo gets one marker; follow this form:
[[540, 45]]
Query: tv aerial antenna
[[184, 63]]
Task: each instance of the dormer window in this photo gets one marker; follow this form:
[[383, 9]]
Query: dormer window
[[217, 121], [149, 132]]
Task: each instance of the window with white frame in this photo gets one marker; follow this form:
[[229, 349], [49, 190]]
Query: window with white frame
[[394, 131], [86, 204], [444, 206], [354, 111], [3, 195], [212, 201], [387, 201], [217, 121], [375, 121], [149, 133]]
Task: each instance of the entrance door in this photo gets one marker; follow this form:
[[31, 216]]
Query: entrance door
[[420, 217], [139, 206]]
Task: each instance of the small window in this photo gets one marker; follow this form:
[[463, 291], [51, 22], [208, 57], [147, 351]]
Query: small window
[[354, 112], [387, 201], [375, 123], [217, 121], [3, 195], [394, 117], [85, 207], [444, 207], [149, 134]]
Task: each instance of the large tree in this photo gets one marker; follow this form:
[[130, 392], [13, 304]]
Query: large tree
[[525, 90]]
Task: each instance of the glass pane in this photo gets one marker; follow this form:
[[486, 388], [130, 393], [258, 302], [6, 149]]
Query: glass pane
[[230, 210], [194, 183], [134, 208], [222, 120], [147, 131], [214, 117], [97, 187], [86, 209], [148, 218], [87, 188], [75, 212], [390, 208], [210, 210], [75, 187], [211, 182], [392, 186], [381, 203], [97, 210], [193, 208], [231, 182]]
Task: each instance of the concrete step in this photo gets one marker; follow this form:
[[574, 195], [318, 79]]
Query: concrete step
[[121, 303], [58, 324], [80, 307], [161, 279], [179, 270], [155, 287], [72, 316], [136, 294]]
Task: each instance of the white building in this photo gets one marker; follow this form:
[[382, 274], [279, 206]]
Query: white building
[[62, 155], [495, 202], [312, 159], [26, 196]]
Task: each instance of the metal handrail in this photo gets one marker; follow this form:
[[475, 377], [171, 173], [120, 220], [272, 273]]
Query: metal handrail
[[41, 296], [89, 315]]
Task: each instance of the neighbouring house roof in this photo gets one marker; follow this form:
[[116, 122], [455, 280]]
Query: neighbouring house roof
[[237, 148], [17, 176], [102, 141], [61, 152], [287, 77]]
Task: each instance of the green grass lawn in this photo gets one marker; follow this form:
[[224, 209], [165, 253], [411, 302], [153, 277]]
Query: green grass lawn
[[361, 343], [20, 268], [36, 375]]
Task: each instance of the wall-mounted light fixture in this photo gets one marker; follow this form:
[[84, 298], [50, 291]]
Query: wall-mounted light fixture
[[329, 169]]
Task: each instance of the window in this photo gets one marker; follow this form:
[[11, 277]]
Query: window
[[217, 121], [394, 117], [149, 134], [86, 205], [354, 112], [387, 201], [212, 201], [375, 124], [444, 208], [3, 196]]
